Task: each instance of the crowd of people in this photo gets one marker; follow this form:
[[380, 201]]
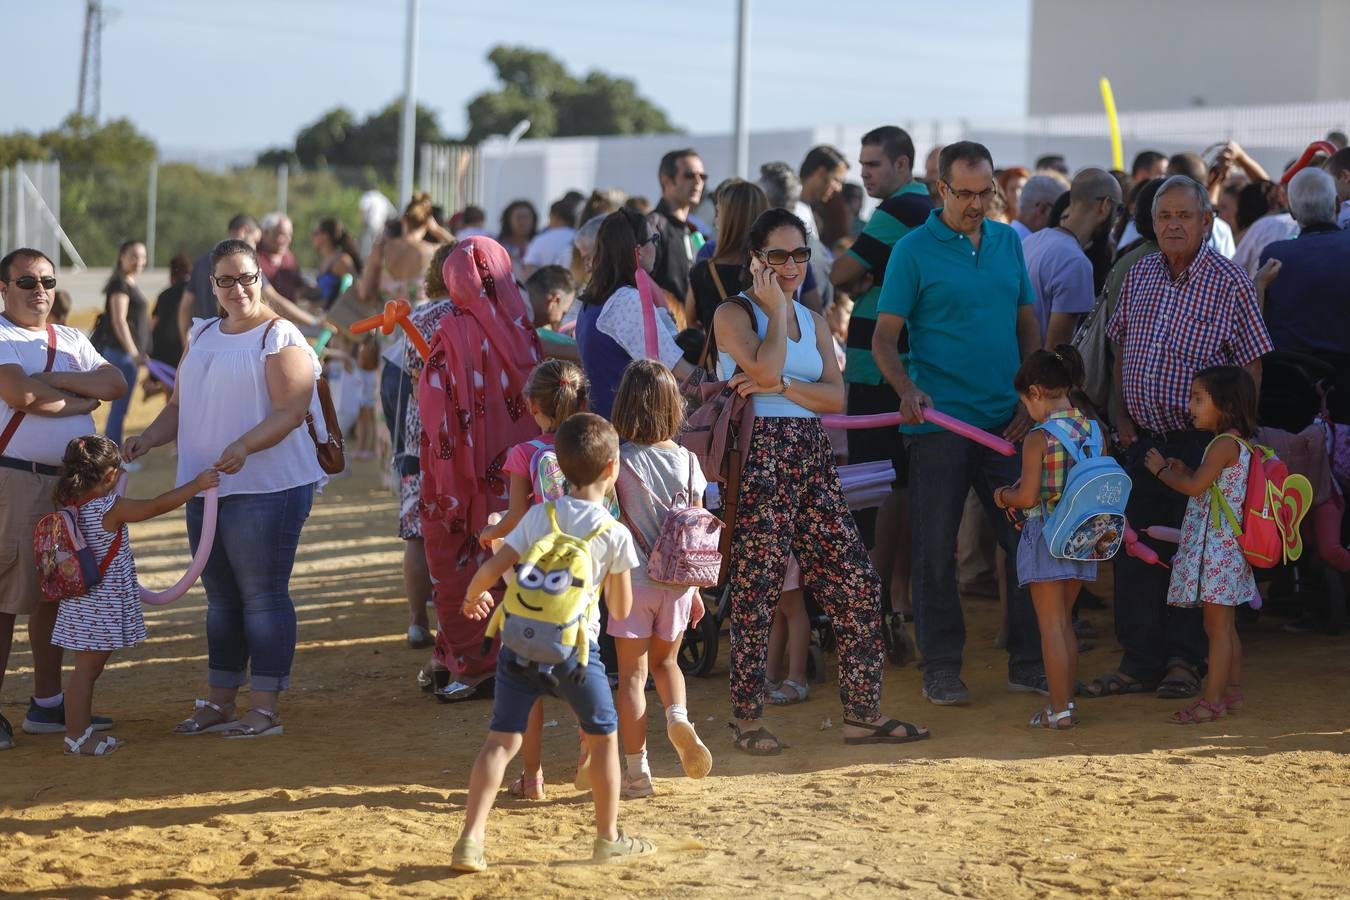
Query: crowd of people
[[1142, 314]]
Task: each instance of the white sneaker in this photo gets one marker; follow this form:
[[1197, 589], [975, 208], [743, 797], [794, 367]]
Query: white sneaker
[[636, 786]]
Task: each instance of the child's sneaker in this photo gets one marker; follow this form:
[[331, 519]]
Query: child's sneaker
[[42, 720], [608, 851], [6, 734], [468, 856], [636, 786], [694, 755]]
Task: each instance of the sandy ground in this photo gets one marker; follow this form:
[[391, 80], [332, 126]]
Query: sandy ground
[[363, 795]]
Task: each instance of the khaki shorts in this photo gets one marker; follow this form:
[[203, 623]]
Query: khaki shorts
[[25, 497]]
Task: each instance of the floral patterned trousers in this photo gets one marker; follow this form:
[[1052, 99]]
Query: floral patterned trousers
[[791, 501]]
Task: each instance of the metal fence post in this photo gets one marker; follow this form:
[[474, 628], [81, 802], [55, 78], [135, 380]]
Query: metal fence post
[[283, 176], [20, 225], [5, 245], [151, 211]]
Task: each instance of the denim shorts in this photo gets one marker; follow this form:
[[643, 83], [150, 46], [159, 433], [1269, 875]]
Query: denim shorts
[[590, 700], [1035, 563]]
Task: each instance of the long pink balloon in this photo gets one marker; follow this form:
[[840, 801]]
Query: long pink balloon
[[1140, 551], [1163, 533], [160, 598], [942, 420]]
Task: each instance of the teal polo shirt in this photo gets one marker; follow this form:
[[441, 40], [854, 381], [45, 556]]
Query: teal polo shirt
[[960, 307]]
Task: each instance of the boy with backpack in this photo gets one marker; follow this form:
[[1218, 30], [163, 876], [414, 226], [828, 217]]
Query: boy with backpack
[[559, 558]]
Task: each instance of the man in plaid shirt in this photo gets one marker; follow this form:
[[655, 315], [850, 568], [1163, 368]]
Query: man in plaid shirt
[[1180, 310]]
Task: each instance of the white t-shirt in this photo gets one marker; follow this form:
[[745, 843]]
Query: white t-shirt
[[804, 212], [43, 439], [666, 472], [222, 395], [550, 248], [611, 552], [621, 318], [1264, 231]]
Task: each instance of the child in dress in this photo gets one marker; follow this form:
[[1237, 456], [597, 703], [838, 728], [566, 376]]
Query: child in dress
[[367, 361], [588, 452], [109, 617], [655, 474], [1209, 569], [1044, 383], [556, 390]]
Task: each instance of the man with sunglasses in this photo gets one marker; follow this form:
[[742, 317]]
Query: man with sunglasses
[[51, 379], [960, 286], [678, 239], [1061, 274]]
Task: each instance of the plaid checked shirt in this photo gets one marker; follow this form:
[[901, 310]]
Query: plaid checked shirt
[[1057, 461], [1171, 328]]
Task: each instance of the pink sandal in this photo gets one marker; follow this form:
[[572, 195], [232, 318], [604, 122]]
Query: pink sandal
[[1233, 701], [528, 788], [1198, 713]]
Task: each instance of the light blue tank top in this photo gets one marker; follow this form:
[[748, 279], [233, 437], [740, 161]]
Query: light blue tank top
[[802, 363]]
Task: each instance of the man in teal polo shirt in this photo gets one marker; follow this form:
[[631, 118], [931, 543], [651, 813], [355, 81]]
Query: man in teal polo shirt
[[886, 161], [960, 286]]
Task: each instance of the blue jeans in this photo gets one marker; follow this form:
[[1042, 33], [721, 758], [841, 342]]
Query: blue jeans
[[943, 468], [117, 411], [395, 398], [249, 613]]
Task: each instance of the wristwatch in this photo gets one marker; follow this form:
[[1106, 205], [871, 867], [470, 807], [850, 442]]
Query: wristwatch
[[787, 383]]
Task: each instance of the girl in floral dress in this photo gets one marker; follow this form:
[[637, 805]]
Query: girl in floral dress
[[1209, 569]]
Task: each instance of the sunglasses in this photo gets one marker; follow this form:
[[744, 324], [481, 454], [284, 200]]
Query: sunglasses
[[780, 257], [225, 282], [30, 282]]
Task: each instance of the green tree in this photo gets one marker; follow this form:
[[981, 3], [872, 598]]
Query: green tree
[[537, 87], [338, 140]]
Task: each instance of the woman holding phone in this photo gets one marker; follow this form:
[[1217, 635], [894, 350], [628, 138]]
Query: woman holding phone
[[790, 497]]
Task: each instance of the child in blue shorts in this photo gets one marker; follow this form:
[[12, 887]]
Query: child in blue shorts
[[588, 454]]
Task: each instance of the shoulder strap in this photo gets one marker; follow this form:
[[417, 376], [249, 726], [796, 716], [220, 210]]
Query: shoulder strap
[[717, 280], [600, 529], [551, 509], [18, 415], [1061, 432], [268, 330], [623, 511], [112, 553], [707, 359], [649, 336]]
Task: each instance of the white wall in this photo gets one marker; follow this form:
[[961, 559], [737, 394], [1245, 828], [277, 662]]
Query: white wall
[[1169, 54]]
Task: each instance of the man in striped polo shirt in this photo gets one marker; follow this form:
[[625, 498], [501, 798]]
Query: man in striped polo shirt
[[887, 163]]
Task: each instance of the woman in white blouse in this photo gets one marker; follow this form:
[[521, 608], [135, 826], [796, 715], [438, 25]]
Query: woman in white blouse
[[243, 389]]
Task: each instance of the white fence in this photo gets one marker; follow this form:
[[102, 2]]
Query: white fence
[[30, 208], [543, 170]]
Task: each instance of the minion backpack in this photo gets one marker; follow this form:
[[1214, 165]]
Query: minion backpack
[[542, 617]]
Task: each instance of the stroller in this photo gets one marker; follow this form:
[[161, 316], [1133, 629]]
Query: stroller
[[865, 485]]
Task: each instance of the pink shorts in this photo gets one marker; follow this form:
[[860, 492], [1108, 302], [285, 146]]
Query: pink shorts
[[658, 612]]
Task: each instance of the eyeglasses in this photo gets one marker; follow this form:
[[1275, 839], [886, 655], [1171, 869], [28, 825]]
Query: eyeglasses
[[30, 282], [654, 239], [225, 282], [966, 196], [780, 257]]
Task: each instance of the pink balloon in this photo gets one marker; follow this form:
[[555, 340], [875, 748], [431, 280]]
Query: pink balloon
[[1163, 533], [1142, 552], [160, 598], [932, 416]]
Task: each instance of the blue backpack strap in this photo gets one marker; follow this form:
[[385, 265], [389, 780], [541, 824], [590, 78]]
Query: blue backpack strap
[[1061, 431]]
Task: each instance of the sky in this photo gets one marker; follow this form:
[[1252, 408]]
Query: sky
[[205, 78]]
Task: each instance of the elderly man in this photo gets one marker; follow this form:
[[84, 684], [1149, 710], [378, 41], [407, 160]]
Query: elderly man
[[1061, 274], [1180, 310], [1038, 196], [51, 379], [960, 286], [276, 259], [1303, 285]]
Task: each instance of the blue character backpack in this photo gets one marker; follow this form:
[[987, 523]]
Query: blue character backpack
[[1088, 522], [543, 614]]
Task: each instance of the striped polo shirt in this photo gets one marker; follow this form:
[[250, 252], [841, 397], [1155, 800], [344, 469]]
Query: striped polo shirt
[[897, 215]]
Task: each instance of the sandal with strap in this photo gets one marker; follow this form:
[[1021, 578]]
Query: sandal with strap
[[528, 788], [1200, 712], [1233, 701], [1112, 684], [242, 731], [789, 692], [468, 856], [193, 725], [1055, 721], [75, 747], [885, 733], [1182, 685], [748, 741], [608, 851]]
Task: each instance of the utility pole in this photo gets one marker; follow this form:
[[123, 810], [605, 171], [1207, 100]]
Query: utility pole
[[741, 125], [407, 139], [91, 62]]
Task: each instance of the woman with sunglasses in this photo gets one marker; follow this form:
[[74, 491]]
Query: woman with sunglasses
[[790, 498], [239, 404], [619, 309]]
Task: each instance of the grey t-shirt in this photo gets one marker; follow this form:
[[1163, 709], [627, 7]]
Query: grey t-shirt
[[667, 473]]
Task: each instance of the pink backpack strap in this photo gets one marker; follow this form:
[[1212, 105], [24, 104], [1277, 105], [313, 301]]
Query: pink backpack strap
[[623, 508], [647, 289]]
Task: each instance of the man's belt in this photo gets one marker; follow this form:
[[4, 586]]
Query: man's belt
[[23, 465]]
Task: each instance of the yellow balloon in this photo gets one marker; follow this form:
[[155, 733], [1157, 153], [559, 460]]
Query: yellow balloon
[[1109, 101]]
